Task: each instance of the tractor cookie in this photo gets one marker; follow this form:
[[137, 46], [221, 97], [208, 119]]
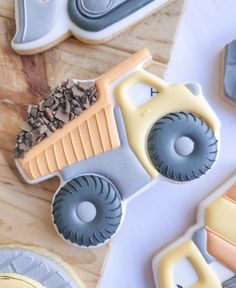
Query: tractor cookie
[[205, 256], [41, 24], [21, 267], [108, 139]]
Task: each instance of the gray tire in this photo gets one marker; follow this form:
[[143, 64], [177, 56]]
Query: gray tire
[[161, 146], [49, 272], [106, 199]]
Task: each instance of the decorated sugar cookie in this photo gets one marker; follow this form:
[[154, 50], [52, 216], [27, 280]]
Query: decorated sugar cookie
[[108, 139], [17, 281], [41, 24], [205, 256], [22, 267], [229, 72]]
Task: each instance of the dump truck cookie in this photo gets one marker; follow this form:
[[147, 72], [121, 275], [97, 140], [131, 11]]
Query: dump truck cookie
[[132, 128]]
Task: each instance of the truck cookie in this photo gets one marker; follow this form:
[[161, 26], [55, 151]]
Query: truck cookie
[[205, 256], [110, 138], [41, 24]]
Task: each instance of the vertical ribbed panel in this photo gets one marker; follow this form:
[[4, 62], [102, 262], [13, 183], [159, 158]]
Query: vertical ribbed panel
[[51, 158], [50, 170], [60, 154], [111, 126], [41, 161], [80, 153], [69, 149], [85, 139], [103, 128], [95, 135], [34, 168]]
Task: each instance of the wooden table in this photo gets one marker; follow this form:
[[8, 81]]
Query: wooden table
[[24, 209]]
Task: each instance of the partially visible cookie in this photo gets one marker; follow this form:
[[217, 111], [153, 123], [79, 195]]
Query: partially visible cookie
[[41, 24], [17, 281], [229, 72], [22, 267], [204, 257]]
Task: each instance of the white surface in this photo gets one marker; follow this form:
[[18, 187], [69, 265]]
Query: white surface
[[185, 274], [140, 93], [163, 213]]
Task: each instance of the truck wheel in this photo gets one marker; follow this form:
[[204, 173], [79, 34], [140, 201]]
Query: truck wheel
[[181, 146], [87, 211]]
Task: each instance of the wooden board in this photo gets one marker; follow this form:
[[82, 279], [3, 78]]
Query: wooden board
[[25, 209]]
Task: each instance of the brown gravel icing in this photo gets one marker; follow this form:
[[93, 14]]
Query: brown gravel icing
[[63, 104]]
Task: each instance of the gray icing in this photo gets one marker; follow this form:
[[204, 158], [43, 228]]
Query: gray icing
[[93, 189], [162, 146], [193, 88], [91, 8], [19, 37], [40, 268], [200, 240], [36, 19], [230, 71], [231, 283], [95, 9], [94, 16], [119, 165]]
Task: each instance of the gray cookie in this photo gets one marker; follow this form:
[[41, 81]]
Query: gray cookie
[[44, 270]]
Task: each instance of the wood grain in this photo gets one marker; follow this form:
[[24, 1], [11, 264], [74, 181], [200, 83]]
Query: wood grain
[[25, 209]]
